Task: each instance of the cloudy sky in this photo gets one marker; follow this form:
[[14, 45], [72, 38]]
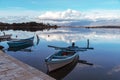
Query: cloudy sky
[[60, 11]]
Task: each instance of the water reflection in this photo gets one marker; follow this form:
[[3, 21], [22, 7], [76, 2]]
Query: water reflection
[[114, 70], [25, 48], [105, 57], [85, 62], [74, 34]]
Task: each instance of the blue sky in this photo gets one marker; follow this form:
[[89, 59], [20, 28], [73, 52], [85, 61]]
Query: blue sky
[[63, 11], [55, 5]]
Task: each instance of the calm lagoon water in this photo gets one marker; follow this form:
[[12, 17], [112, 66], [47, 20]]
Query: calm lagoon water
[[105, 57]]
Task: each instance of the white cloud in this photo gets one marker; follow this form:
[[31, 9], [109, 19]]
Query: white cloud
[[77, 15], [102, 14], [76, 18], [22, 15], [64, 15], [68, 17]]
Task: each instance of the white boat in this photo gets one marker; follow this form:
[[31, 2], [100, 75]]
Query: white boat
[[60, 59], [65, 56], [59, 74]]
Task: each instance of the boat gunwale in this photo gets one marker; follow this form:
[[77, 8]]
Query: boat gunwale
[[49, 60], [20, 42]]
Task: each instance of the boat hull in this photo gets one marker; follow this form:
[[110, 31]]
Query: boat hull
[[59, 74], [20, 47], [21, 42], [59, 63]]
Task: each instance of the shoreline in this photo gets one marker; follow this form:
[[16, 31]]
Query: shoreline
[[99, 27], [13, 69], [34, 26], [28, 26]]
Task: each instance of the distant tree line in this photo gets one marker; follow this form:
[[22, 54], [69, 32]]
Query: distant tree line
[[103, 26], [29, 26]]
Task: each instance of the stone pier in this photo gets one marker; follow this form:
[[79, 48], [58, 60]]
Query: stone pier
[[13, 69]]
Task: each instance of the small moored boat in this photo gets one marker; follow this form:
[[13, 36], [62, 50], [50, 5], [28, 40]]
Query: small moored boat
[[65, 56], [20, 42], [60, 59], [25, 48], [64, 71]]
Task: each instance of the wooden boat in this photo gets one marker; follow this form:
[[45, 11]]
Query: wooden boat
[[60, 59], [65, 56], [20, 42], [73, 47], [59, 74]]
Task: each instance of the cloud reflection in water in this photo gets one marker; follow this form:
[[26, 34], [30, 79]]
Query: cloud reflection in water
[[73, 35]]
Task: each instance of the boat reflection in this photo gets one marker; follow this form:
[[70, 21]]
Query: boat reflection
[[85, 62], [60, 73], [25, 48]]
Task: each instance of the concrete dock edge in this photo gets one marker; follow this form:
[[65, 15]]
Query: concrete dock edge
[[13, 69]]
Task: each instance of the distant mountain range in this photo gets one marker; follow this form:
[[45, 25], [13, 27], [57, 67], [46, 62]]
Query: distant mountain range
[[94, 23]]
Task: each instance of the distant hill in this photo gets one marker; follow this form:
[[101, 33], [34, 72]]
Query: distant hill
[[26, 26], [84, 23]]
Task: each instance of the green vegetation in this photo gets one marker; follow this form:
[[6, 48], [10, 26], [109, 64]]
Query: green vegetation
[[29, 26]]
